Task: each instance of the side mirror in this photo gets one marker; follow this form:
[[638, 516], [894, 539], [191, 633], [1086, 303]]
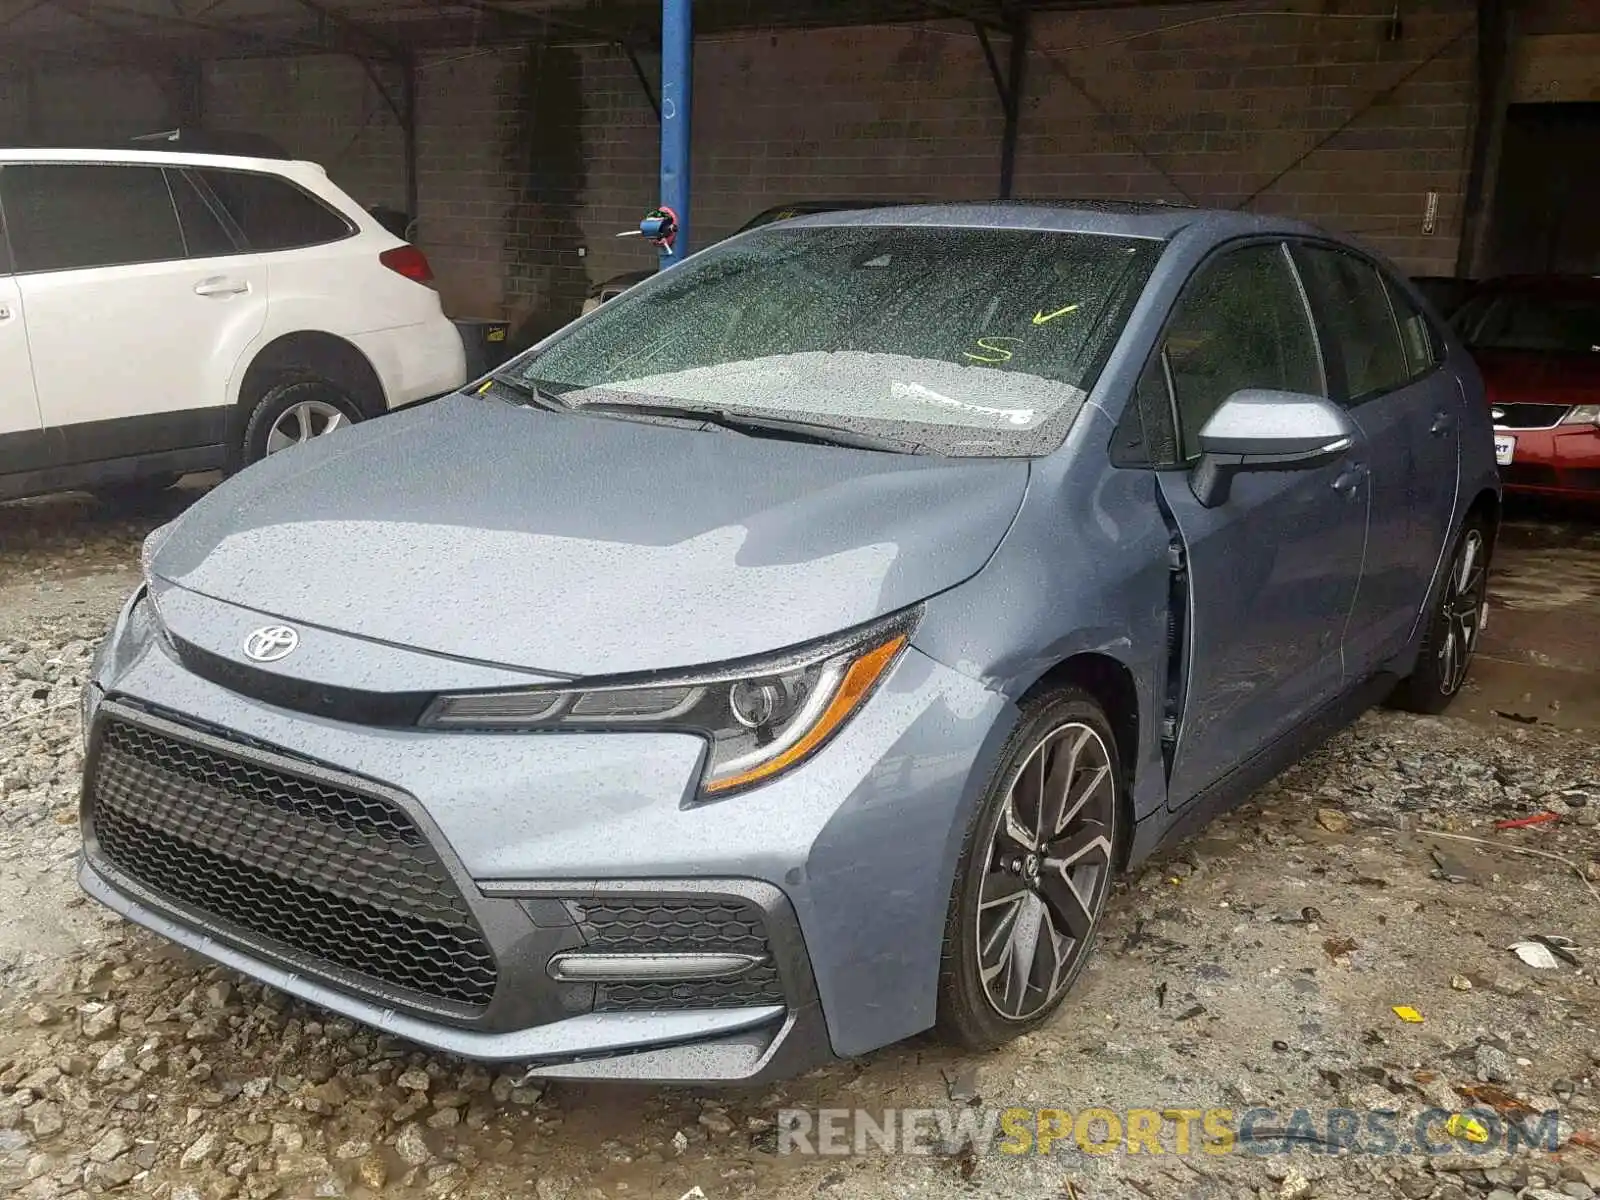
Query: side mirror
[[1261, 429]]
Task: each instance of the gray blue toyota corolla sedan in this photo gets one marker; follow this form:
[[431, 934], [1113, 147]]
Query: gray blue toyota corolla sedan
[[781, 660]]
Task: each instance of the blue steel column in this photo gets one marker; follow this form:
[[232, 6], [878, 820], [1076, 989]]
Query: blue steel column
[[677, 78]]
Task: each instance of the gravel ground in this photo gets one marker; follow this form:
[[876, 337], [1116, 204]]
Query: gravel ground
[[1257, 966]]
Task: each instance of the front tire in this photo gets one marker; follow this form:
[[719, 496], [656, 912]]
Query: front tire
[[1453, 626], [292, 413], [1035, 873]]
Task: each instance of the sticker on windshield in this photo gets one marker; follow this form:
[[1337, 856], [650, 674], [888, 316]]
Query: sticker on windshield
[[916, 391], [1043, 318], [993, 354]]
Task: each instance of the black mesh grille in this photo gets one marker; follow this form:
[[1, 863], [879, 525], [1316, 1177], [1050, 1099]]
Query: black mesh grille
[[322, 870], [1529, 416], [688, 926]]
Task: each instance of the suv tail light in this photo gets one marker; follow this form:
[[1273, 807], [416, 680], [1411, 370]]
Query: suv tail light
[[1583, 414], [408, 261]]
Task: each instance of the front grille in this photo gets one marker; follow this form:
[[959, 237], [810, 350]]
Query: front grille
[[309, 867], [1529, 416], [713, 925]]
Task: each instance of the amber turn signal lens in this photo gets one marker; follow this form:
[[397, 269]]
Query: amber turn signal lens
[[856, 685]]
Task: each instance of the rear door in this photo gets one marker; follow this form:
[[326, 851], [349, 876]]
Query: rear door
[[1384, 365], [21, 431], [134, 333], [20, 423], [1271, 572]]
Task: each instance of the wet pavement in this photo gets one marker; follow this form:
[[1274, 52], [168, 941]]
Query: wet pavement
[[1540, 655]]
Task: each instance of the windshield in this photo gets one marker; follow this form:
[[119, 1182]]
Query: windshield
[[1528, 321], [971, 342]]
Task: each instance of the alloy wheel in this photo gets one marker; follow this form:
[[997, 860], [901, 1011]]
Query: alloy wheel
[[1046, 872], [1462, 611], [303, 421]]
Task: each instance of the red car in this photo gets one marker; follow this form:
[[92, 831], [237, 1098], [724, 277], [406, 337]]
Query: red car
[[1537, 342]]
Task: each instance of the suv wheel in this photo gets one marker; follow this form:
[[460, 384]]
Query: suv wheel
[[293, 413], [1453, 627], [1035, 873]]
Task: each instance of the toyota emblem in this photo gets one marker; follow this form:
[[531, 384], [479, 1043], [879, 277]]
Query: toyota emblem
[[270, 643]]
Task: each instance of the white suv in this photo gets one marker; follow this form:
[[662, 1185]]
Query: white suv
[[168, 312]]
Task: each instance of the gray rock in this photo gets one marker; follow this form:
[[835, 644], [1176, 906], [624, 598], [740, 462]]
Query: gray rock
[[412, 1147], [201, 1151], [44, 1119], [101, 1023], [1493, 1065], [415, 1080], [113, 1144]]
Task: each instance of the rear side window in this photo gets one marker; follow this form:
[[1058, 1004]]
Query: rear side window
[[1358, 322], [272, 213], [64, 217], [1423, 346], [204, 235], [1240, 323]]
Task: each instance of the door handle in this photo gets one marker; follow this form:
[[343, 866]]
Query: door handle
[[5, 312], [219, 287], [1348, 482], [1442, 423]]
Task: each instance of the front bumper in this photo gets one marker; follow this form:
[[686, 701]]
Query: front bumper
[[845, 865], [1562, 461], [739, 1045]]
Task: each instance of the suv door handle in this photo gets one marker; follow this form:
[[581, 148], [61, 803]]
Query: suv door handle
[[5, 312], [1442, 423], [1348, 481], [219, 286]]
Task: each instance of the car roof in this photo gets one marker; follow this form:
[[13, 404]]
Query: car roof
[[170, 158], [1130, 219]]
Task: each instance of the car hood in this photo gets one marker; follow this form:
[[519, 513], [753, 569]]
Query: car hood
[[581, 545], [1524, 377]]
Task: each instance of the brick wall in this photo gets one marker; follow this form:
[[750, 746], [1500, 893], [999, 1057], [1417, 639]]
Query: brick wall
[[1210, 113], [1213, 113], [324, 108], [523, 166]]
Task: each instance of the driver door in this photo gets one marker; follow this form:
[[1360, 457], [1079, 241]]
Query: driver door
[[1272, 572]]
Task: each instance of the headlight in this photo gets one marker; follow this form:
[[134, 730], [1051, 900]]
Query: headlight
[[152, 546], [761, 719], [1583, 414]]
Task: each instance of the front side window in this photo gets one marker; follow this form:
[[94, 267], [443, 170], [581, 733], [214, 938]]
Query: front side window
[[1528, 320], [1359, 324], [1240, 323], [70, 216], [272, 213], [971, 342]]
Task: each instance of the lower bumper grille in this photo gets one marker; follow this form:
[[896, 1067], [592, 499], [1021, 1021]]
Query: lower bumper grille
[[680, 926], [312, 868]]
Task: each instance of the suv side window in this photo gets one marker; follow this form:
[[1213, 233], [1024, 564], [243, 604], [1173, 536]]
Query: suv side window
[[1361, 332], [204, 234], [1240, 323], [68, 216], [272, 213], [1424, 348]]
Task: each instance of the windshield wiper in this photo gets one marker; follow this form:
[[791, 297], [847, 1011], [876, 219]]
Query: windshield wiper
[[794, 428], [530, 392]]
